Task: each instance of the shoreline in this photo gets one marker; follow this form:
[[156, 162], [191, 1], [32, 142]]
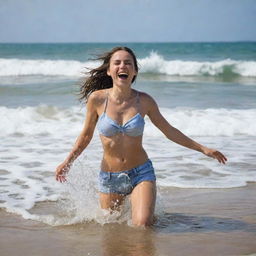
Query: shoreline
[[194, 222]]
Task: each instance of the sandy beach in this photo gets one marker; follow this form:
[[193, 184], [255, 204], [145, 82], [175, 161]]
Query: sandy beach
[[198, 222], [205, 89]]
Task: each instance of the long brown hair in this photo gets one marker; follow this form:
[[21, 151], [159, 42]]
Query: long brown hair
[[98, 78]]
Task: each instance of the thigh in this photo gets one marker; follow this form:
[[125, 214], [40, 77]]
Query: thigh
[[111, 201], [143, 199]]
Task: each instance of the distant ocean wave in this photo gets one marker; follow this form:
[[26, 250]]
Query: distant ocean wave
[[19, 67], [154, 64], [158, 65]]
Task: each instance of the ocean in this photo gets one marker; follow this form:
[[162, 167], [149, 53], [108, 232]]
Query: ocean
[[207, 90]]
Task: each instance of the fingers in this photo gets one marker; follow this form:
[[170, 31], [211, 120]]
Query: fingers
[[61, 172], [61, 178], [61, 175], [216, 155], [220, 157]]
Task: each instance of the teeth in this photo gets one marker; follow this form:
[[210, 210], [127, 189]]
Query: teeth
[[123, 75]]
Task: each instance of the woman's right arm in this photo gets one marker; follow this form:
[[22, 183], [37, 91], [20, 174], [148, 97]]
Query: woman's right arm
[[83, 139]]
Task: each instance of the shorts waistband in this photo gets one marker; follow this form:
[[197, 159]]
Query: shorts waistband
[[135, 170]]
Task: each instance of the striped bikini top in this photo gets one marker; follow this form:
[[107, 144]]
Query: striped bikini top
[[133, 127]]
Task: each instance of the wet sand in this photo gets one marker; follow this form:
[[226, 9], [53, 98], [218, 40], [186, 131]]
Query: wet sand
[[194, 222]]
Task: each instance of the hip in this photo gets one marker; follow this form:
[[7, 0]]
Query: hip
[[123, 182]]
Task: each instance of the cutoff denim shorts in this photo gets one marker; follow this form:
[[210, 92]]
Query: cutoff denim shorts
[[124, 182]]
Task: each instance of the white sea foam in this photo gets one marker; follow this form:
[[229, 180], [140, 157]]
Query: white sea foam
[[46, 120], [154, 64], [19, 67], [157, 64], [35, 139]]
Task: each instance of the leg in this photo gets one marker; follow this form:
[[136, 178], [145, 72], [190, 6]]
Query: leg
[[143, 199], [111, 201]]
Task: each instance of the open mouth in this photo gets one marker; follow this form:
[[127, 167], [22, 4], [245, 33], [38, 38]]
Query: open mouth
[[123, 76]]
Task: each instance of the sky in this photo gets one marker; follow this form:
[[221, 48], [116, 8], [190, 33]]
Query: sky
[[127, 20]]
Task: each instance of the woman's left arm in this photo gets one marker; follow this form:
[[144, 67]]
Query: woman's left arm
[[177, 136]]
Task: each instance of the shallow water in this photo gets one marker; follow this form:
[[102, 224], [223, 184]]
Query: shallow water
[[207, 91]]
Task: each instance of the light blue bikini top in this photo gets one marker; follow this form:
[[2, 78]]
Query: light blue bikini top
[[109, 127]]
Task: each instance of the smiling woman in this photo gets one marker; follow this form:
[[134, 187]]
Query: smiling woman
[[99, 77], [119, 111]]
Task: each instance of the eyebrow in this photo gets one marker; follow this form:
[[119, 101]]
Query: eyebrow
[[126, 60]]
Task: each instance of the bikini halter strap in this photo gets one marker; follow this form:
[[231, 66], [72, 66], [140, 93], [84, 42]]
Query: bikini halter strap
[[106, 102], [138, 100]]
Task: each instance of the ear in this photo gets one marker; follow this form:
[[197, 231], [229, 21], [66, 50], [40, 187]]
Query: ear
[[108, 73]]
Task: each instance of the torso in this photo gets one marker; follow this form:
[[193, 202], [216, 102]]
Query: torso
[[121, 151]]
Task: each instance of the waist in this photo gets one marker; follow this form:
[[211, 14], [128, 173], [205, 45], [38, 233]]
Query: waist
[[135, 169], [112, 163]]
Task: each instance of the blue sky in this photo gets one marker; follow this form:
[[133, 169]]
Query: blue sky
[[127, 20]]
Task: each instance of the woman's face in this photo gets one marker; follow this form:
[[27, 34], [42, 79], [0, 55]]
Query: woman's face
[[121, 68]]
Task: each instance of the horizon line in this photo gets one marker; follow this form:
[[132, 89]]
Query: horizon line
[[129, 42]]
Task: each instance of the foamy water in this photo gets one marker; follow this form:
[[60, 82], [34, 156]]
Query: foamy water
[[39, 138], [41, 119], [154, 64], [54, 121]]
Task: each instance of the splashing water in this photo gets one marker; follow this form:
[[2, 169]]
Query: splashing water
[[81, 201]]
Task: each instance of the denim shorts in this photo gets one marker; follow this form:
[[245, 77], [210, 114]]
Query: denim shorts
[[124, 182]]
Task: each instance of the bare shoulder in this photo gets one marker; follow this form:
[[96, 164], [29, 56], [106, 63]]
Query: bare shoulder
[[147, 101], [145, 97], [148, 104], [97, 98]]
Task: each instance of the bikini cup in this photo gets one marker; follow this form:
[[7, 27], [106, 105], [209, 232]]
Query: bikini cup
[[133, 127]]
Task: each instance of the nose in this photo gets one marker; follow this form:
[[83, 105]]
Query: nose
[[122, 64]]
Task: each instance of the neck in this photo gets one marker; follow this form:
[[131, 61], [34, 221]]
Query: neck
[[121, 94]]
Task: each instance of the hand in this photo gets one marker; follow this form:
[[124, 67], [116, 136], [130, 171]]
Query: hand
[[215, 154], [61, 172]]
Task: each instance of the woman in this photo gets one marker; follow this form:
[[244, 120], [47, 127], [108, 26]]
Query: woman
[[119, 111]]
